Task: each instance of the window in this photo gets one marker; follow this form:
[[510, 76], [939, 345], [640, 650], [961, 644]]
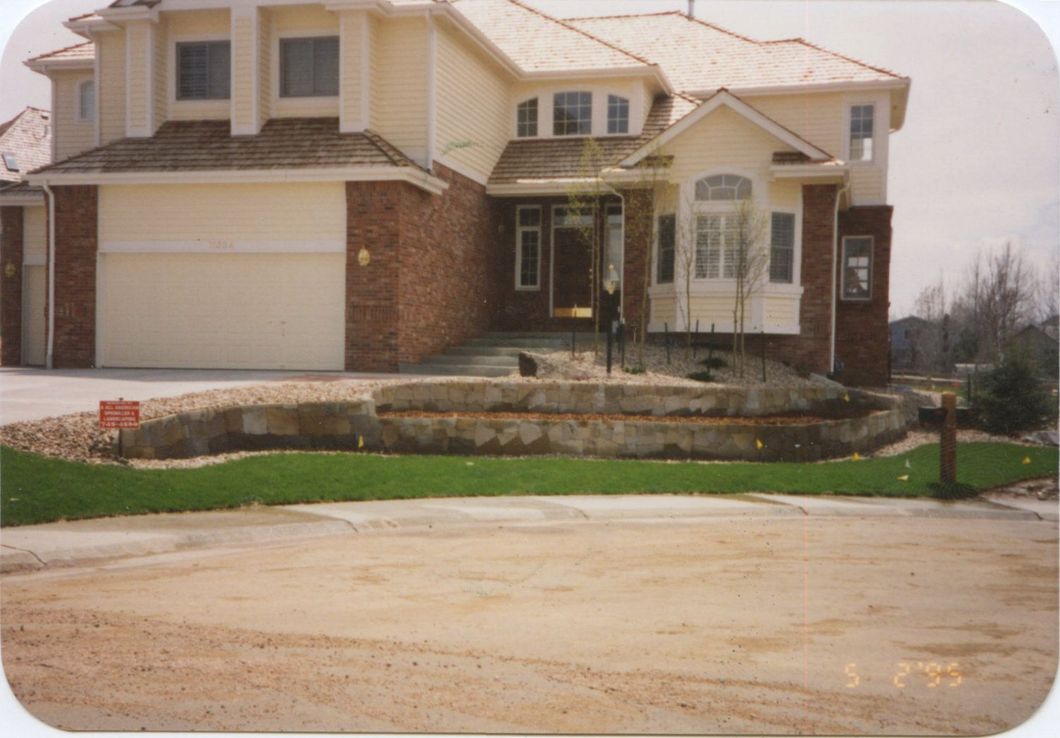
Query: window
[[617, 114], [86, 101], [716, 247], [723, 187], [528, 248], [11, 162], [204, 70], [857, 268], [572, 114], [527, 119], [782, 248], [664, 260], [564, 217], [309, 67], [861, 132]]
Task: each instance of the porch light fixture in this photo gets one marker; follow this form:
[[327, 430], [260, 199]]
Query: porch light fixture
[[363, 257], [611, 283]]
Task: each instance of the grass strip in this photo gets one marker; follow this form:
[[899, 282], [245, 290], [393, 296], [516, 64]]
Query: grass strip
[[36, 489]]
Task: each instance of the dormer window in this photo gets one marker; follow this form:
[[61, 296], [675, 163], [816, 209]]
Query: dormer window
[[617, 114], [572, 114], [309, 67], [86, 101], [527, 119], [204, 70], [862, 132]]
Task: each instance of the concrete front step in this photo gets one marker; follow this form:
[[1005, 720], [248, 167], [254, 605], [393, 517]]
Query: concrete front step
[[527, 343], [503, 361], [455, 370], [495, 351]]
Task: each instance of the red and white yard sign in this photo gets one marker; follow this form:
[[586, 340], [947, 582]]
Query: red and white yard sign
[[119, 414]]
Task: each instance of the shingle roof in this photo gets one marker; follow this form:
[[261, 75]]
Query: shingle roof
[[700, 56], [284, 143], [539, 43], [562, 158], [132, 3], [27, 137], [78, 52], [21, 189]]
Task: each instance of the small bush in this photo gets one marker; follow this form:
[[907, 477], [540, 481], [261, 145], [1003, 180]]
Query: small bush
[[701, 376], [714, 362], [635, 370], [951, 491], [1011, 398]]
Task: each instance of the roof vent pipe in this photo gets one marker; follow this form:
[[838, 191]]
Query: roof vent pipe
[[691, 8]]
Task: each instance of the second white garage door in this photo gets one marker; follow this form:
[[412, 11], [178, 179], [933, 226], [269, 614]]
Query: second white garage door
[[225, 311]]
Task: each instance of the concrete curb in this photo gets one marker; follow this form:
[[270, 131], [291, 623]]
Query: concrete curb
[[78, 542]]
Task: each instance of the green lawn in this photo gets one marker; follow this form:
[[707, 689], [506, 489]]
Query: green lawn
[[34, 489]]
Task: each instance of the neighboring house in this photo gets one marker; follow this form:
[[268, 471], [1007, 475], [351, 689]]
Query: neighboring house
[[917, 345], [25, 145], [1040, 345], [358, 184]]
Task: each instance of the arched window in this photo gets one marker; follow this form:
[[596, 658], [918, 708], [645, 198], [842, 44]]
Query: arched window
[[86, 101], [723, 187], [527, 119]]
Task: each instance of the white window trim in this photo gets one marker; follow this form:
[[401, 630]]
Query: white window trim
[[519, 230], [280, 38], [843, 269], [725, 207], [876, 137], [796, 253], [220, 108], [278, 102], [79, 95], [545, 110]]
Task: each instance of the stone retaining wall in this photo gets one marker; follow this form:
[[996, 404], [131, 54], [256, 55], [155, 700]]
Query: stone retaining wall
[[866, 421]]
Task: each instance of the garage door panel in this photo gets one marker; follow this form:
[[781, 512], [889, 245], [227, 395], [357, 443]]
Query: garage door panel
[[237, 311]]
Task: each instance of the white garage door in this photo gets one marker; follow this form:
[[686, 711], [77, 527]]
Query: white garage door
[[225, 311], [34, 294]]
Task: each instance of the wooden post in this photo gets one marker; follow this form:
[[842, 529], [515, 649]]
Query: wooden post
[[666, 341], [762, 336], [948, 440], [610, 344]]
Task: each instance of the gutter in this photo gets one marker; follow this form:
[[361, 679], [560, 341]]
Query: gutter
[[835, 276], [49, 362]]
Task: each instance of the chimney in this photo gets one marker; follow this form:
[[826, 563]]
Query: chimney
[[691, 8]]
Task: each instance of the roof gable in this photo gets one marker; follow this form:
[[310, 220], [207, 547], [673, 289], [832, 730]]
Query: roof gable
[[732, 102], [26, 138]]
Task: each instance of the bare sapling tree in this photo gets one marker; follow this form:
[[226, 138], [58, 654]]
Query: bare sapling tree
[[930, 345], [690, 246], [644, 206], [584, 197], [745, 249]]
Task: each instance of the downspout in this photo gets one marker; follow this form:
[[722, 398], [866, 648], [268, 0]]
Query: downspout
[[49, 361], [835, 276]]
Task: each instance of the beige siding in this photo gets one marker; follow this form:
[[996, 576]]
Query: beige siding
[[302, 213], [194, 25], [264, 65], [110, 88], [474, 111], [374, 56], [72, 135], [400, 111], [818, 118], [139, 101], [34, 298], [663, 310], [35, 234], [351, 64], [289, 22], [723, 140], [232, 311], [244, 114], [161, 73], [867, 184]]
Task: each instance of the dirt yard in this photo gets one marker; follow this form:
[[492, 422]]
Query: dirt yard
[[801, 625]]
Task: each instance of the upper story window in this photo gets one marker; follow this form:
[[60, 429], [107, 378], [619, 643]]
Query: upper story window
[[862, 125], [572, 114], [527, 119], [723, 187], [204, 70], [309, 67], [617, 114], [86, 101]]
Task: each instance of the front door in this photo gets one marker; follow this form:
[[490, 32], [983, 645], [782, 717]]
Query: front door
[[573, 274]]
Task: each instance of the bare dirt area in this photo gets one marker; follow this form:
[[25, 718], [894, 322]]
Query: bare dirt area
[[735, 625]]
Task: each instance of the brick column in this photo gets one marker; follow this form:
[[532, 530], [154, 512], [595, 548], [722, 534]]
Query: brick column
[[862, 333], [638, 253], [76, 246], [373, 222], [11, 245]]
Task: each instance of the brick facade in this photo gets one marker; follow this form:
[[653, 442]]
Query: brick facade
[[862, 334], [11, 247], [431, 281], [76, 247]]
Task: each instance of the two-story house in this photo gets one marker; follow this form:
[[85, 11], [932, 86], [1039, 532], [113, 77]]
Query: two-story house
[[354, 184]]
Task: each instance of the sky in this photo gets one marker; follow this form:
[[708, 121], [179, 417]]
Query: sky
[[976, 165]]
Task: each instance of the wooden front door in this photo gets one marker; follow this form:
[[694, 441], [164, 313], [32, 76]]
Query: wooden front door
[[572, 267]]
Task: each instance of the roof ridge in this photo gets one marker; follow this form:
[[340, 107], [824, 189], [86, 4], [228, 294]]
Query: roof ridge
[[58, 51], [588, 35], [615, 16], [852, 60]]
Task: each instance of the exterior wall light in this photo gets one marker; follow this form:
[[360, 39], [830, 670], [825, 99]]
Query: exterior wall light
[[611, 283], [363, 257]]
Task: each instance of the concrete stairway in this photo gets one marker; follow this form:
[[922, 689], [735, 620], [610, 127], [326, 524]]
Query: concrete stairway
[[490, 355]]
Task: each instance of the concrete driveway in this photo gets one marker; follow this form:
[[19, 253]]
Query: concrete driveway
[[32, 394]]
